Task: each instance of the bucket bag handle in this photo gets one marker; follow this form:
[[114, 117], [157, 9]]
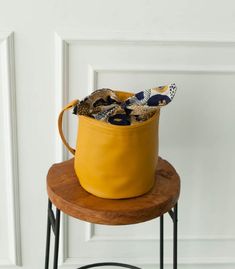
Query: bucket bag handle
[[60, 120]]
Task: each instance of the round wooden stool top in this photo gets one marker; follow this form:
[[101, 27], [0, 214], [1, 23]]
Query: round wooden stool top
[[66, 193]]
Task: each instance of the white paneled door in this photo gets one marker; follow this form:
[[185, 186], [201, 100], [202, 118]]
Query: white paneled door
[[54, 51]]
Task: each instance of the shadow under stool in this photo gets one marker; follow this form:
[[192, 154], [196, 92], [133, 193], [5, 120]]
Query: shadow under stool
[[67, 195]]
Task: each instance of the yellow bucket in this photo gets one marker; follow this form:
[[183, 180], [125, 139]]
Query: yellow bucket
[[113, 161]]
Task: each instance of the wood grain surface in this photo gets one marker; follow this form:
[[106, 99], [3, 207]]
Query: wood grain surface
[[66, 193]]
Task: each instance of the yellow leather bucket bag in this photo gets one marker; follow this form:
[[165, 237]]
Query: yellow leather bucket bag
[[114, 161]]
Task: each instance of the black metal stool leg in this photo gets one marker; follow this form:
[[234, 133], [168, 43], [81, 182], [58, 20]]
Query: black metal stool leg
[[174, 216], [48, 240], [161, 241], [175, 235], [54, 224], [57, 236]]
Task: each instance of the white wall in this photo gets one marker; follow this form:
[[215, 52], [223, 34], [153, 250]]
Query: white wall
[[64, 49]]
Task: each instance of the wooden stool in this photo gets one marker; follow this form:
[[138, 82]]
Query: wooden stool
[[68, 196]]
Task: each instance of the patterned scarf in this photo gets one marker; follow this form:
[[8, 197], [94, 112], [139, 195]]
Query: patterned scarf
[[104, 105]]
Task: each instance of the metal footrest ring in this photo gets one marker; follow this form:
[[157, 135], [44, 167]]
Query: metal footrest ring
[[109, 264]]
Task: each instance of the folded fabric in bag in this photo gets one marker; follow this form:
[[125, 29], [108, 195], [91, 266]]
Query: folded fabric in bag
[[105, 105]]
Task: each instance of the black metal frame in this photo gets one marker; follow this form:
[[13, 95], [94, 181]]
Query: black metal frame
[[53, 223]]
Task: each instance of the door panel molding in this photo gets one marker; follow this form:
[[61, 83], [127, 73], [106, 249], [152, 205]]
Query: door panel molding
[[10, 148]]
